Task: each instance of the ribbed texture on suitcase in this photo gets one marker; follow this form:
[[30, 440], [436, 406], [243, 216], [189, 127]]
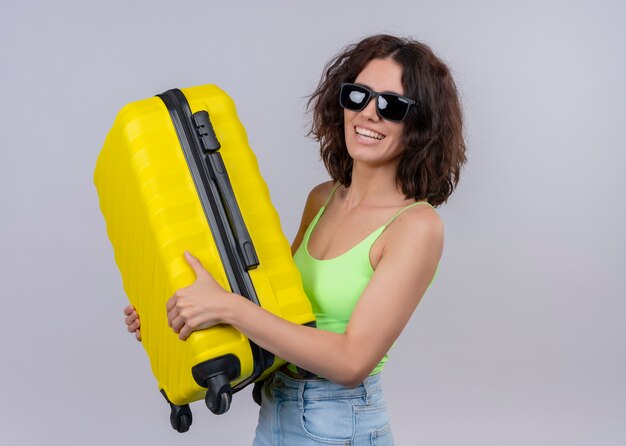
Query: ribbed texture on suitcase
[[153, 214]]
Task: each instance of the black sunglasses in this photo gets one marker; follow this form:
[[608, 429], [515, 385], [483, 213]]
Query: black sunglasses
[[389, 106]]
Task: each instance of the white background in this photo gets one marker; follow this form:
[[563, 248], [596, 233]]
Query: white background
[[521, 339]]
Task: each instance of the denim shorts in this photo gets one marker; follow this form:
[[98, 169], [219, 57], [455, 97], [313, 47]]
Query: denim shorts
[[297, 412]]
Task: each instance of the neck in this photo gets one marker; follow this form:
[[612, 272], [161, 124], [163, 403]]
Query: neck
[[373, 186]]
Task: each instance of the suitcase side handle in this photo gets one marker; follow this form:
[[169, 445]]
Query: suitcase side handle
[[211, 145]]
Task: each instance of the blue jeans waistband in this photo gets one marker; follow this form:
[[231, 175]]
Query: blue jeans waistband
[[321, 389]]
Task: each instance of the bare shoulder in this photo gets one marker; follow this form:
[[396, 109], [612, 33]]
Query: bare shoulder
[[421, 215], [314, 202], [319, 194], [417, 228]]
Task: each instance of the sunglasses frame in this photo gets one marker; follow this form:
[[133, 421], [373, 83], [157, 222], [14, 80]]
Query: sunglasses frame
[[374, 95]]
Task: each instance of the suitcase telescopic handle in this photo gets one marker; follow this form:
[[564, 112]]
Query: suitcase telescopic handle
[[211, 145]]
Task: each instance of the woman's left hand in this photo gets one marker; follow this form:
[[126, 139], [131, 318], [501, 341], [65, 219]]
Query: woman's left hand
[[197, 306]]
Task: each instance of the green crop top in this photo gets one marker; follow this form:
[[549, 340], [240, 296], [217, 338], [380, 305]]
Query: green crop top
[[334, 285]]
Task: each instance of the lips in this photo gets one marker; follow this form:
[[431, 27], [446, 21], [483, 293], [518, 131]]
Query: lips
[[368, 133]]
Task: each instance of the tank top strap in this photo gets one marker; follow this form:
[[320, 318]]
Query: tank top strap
[[313, 224], [331, 195], [404, 209]]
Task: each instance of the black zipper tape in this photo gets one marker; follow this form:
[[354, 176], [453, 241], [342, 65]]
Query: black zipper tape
[[200, 145]]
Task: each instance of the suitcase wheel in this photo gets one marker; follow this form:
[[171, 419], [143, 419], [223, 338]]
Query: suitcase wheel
[[218, 404], [181, 422], [219, 394], [180, 417]]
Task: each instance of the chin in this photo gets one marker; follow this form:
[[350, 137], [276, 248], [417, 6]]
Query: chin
[[374, 155]]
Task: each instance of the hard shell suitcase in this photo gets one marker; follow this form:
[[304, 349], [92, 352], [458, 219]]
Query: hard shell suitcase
[[176, 173]]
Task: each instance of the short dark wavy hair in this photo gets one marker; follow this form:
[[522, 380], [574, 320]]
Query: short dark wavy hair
[[429, 168]]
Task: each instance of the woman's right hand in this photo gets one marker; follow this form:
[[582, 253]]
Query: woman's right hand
[[132, 321]]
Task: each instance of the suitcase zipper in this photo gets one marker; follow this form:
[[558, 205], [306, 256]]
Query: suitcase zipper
[[200, 147]]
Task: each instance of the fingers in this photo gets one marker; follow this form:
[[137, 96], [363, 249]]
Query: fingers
[[174, 305], [182, 326], [133, 326], [195, 264], [173, 311], [180, 318], [131, 319], [184, 333], [171, 302], [188, 326], [177, 323]]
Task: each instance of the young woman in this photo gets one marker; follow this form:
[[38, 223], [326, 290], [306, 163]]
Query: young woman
[[386, 113]]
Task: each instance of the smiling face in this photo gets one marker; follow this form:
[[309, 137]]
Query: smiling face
[[369, 138]]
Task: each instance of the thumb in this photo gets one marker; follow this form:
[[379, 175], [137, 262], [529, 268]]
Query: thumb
[[195, 264]]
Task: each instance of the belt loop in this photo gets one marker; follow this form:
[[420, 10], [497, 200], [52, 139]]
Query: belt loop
[[301, 386], [368, 390]]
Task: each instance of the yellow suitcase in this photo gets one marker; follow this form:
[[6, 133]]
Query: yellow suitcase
[[176, 173]]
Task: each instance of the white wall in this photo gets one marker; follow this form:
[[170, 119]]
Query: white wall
[[520, 340]]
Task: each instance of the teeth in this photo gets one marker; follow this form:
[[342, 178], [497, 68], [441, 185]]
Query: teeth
[[369, 133]]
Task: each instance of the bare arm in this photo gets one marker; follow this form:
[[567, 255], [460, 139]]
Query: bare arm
[[406, 267]]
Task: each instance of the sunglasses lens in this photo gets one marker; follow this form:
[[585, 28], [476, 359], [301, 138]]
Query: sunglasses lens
[[354, 97], [357, 97], [391, 107]]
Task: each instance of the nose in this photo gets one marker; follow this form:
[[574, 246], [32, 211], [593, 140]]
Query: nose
[[370, 111]]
